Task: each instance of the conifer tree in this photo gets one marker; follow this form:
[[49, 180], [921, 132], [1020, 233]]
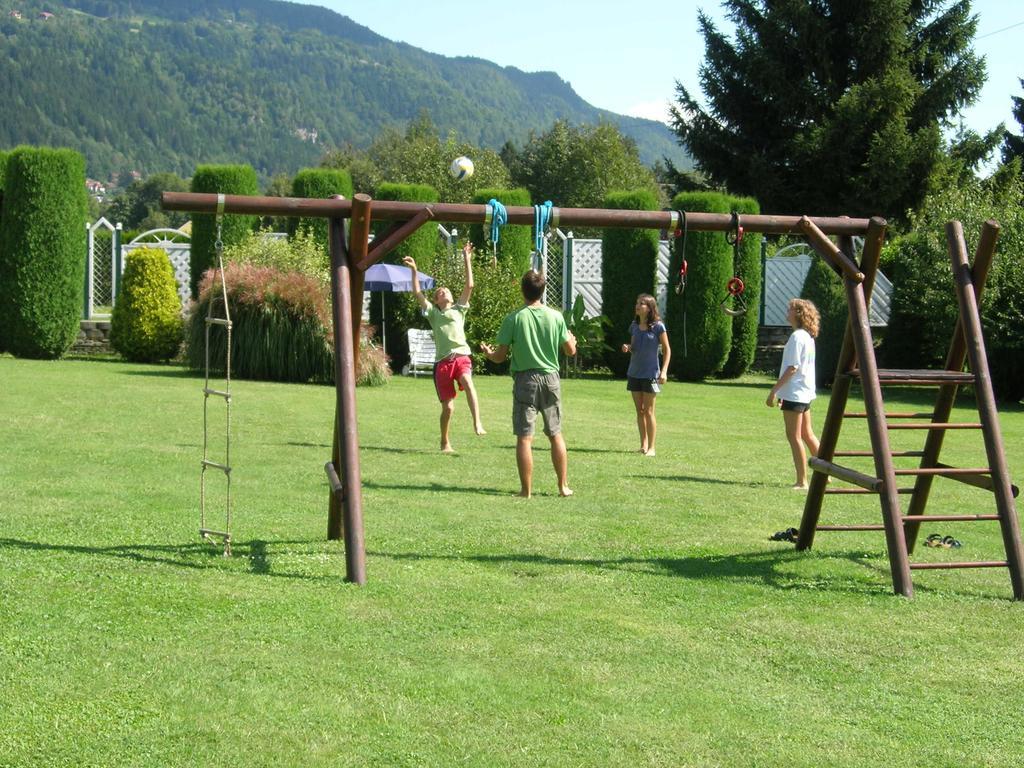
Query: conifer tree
[[832, 106]]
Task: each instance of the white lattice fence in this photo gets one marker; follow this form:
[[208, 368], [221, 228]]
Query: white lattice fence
[[177, 246], [586, 274]]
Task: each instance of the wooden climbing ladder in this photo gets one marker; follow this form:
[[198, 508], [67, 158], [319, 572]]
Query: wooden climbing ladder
[[857, 362]]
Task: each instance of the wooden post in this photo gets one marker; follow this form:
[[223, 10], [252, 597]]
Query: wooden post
[[946, 397], [860, 330], [840, 386], [970, 319], [345, 423]]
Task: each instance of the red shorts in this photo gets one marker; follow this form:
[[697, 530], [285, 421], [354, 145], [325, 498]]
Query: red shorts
[[447, 373]]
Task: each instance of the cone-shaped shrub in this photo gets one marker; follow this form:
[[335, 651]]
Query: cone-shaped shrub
[[701, 331], [231, 180], [42, 251], [146, 325], [515, 243], [629, 263], [825, 288], [747, 267], [400, 309], [319, 183]]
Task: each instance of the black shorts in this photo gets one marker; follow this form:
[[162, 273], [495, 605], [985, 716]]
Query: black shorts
[[789, 405], [650, 386]]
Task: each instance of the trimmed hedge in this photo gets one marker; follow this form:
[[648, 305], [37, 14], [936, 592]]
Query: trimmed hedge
[[319, 183], [42, 251], [825, 288], [746, 266], [146, 325], [698, 312], [231, 180], [400, 309], [629, 265], [515, 243]]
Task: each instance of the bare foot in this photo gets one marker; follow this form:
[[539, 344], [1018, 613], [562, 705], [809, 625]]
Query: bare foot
[[447, 448], [565, 490], [523, 494], [798, 487], [480, 429], [650, 452], [643, 449]]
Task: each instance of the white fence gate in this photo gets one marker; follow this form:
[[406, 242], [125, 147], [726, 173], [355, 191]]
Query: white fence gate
[[178, 247], [104, 263], [102, 268]]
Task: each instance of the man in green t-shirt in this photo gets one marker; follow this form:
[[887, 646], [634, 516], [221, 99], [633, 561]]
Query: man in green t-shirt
[[531, 337], [453, 364]]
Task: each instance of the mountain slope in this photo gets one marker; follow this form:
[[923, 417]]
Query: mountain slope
[[154, 85]]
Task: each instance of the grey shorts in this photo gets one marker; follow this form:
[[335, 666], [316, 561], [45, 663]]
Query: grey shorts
[[534, 391]]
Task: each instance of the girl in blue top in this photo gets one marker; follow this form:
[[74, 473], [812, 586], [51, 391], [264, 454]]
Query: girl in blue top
[[645, 376]]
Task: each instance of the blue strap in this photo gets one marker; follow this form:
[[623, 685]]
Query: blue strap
[[499, 218], [541, 217]]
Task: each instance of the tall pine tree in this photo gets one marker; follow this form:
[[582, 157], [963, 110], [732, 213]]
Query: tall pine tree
[[1013, 145], [831, 106]]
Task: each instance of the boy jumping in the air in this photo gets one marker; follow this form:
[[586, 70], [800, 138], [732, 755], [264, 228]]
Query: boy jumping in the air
[[453, 363]]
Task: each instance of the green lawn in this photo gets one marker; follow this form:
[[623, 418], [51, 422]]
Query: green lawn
[[645, 621]]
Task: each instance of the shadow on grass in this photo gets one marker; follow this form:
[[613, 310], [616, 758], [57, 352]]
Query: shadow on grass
[[197, 555], [435, 488], [763, 567], [169, 373], [706, 480]]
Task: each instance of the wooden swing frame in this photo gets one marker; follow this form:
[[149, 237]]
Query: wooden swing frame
[[351, 254]]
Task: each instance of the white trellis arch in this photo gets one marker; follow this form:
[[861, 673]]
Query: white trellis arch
[[102, 268], [178, 247]]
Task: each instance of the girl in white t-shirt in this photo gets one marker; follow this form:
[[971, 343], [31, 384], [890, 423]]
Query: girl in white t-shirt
[[795, 387]]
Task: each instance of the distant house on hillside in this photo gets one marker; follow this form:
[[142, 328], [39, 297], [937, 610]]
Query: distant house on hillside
[[96, 188], [15, 14], [45, 15]]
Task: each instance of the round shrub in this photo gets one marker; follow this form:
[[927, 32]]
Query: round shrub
[[746, 266], [697, 312], [629, 264], [230, 180], [515, 243], [42, 251], [318, 183], [146, 325]]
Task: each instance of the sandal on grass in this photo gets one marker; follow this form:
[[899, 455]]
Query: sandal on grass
[[933, 540], [948, 542], [789, 534]]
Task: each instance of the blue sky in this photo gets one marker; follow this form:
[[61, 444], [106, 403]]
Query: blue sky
[[627, 57]]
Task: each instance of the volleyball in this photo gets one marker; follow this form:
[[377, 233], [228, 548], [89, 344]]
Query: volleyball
[[461, 168]]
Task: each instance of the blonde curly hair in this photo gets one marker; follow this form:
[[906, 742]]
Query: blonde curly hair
[[806, 315]]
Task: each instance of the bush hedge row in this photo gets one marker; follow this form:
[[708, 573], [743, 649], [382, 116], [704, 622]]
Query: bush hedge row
[[42, 248], [319, 183], [747, 267], [400, 310], [230, 180], [629, 263], [700, 331]]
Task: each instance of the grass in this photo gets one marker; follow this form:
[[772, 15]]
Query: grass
[[645, 621]]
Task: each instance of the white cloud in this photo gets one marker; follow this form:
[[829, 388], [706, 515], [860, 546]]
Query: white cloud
[[652, 110]]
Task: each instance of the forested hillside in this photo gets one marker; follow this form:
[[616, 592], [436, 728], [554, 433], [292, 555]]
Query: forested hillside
[[152, 85]]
